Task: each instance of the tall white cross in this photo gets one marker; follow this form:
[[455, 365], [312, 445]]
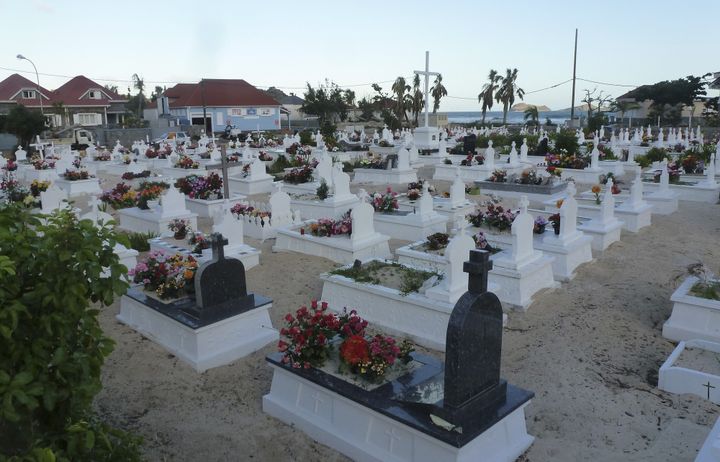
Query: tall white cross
[[426, 73]]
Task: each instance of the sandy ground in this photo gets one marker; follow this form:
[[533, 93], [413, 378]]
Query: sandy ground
[[590, 351]]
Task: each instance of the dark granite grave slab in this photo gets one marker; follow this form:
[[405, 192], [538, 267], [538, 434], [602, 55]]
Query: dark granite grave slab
[[178, 309], [548, 189], [393, 399]]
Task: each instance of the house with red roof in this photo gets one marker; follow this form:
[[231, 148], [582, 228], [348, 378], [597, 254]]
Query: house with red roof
[[225, 102], [80, 101]]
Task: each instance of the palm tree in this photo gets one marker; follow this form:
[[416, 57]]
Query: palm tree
[[418, 102], [402, 99], [487, 94], [532, 114], [437, 92], [624, 106], [139, 85], [507, 91]]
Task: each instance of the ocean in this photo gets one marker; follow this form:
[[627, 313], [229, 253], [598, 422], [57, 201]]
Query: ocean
[[557, 117]]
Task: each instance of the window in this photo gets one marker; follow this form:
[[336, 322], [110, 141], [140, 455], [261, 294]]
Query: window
[[29, 94], [87, 119], [94, 94]]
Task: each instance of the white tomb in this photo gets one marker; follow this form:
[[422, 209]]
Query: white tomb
[[52, 199], [422, 222], [128, 257], [404, 173], [157, 219], [692, 317], [675, 378], [364, 242], [257, 182], [710, 450], [634, 212], [281, 216], [604, 227], [335, 205]]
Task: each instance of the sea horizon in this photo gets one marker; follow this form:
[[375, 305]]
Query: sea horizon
[[466, 117]]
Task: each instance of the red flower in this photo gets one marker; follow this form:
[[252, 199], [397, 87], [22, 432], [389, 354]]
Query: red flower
[[354, 350]]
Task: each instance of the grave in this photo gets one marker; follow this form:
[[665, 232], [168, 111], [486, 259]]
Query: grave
[[78, 187], [221, 324], [403, 173], [52, 199], [710, 450], [692, 317], [362, 244], [128, 257], [677, 377], [411, 226], [663, 199], [280, 216], [335, 205], [258, 180], [523, 271], [457, 205], [634, 212], [457, 411], [156, 219]]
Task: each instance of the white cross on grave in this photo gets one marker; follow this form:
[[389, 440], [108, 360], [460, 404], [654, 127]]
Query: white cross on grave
[[426, 73], [392, 437], [318, 401]]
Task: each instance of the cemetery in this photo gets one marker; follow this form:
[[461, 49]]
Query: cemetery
[[223, 271]]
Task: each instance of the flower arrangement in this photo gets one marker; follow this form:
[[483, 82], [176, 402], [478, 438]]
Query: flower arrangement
[[498, 176], [690, 164], [249, 211], [322, 190], [10, 166], [529, 177], [245, 172], [77, 163], [14, 192], [673, 173], [437, 241], [167, 276], [468, 161], [37, 186], [325, 227], [596, 189], [149, 191], [126, 159], [384, 144], [385, 202], [201, 187], [494, 216], [555, 220], [413, 194], [75, 175], [187, 163], [264, 156], [299, 175], [481, 243], [150, 153], [311, 335], [43, 164], [102, 157], [563, 160], [539, 224], [131, 176], [199, 242], [180, 227], [120, 197], [419, 186]]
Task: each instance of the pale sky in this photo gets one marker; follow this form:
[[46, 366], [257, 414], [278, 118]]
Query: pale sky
[[286, 44]]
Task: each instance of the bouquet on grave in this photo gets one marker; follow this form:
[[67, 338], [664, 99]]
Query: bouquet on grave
[[201, 187], [43, 164], [199, 242], [299, 175], [75, 175], [245, 210], [167, 276], [120, 197], [498, 176], [187, 163], [149, 191], [385, 202], [131, 176], [325, 227]]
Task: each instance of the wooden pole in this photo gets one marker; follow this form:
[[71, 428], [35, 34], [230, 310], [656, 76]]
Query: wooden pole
[[572, 105]]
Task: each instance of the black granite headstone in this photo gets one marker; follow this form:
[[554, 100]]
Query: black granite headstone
[[220, 286], [542, 147], [469, 144]]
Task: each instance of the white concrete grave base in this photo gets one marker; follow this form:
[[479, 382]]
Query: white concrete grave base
[[379, 176], [662, 205], [128, 257], [710, 451], [581, 176], [210, 346], [634, 219], [363, 434], [250, 187], [467, 174], [210, 208], [681, 380], [249, 256], [517, 285], [151, 220], [692, 317], [340, 249], [568, 255], [603, 235], [411, 227], [329, 208], [78, 187]]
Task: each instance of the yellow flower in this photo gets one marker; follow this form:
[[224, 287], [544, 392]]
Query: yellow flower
[[559, 203], [596, 189]]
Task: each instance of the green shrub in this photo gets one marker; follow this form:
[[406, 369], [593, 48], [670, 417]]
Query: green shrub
[[307, 138], [139, 241], [656, 155], [566, 140], [52, 345], [280, 164], [643, 161], [322, 190]]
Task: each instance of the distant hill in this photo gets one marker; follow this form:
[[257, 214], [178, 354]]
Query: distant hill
[[521, 107]]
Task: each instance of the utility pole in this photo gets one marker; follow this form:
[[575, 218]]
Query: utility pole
[[202, 96], [572, 105]]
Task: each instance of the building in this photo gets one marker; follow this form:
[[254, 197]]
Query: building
[[80, 101], [217, 103]]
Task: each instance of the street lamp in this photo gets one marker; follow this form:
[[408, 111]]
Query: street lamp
[[38, 82]]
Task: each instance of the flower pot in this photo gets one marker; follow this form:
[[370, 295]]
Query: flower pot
[[153, 204], [180, 235], [539, 229], [557, 229]]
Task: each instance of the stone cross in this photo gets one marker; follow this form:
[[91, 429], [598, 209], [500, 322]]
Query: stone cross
[[708, 386], [426, 74], [223, 166], [490, 156], [218, 247], [513, 154], [474, 342], [522, 232]]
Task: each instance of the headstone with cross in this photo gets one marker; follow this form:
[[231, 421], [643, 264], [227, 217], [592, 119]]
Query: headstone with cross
[[223, 166], [708, 386], [220, 286]]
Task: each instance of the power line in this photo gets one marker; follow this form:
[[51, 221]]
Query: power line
[[609, 84], [527, 92]]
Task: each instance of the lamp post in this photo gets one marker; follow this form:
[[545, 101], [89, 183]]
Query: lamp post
[[37, 76]]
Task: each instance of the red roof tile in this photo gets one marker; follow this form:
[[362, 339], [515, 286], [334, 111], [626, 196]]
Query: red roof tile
[[10, 87], [218, 93], [74, 93]]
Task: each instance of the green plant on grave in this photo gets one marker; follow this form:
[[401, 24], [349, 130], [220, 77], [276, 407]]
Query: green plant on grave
[[708, 285], [642, 161], [54, 278], [139, 241], [280, 164], [322, 190], [657, 155], [567, 140]]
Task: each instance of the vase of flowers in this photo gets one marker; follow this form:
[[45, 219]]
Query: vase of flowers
[[166, 276], [539, 224], [386, 203], [596, 191], [180, 228], [555, 220]]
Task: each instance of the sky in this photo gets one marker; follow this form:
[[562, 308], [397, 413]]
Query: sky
[[289, 43]]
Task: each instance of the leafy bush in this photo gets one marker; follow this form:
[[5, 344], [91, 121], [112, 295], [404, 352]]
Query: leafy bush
[[643, 161], [53, 346], [656, 155], [139, 241], [307, 138], [566, 140], [280, 164], [322, 190]]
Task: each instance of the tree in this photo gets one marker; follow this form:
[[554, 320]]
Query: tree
[[624, 106], [58, 107], [367, 110], [418, 101], [403, 100], [680, 91], [52, 343], [437, 92], [112, 88], [156, 93], [487, 94], [508, 90], [139, 85], [328, 102], [591, 98], [532, 114], [24, 123]]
